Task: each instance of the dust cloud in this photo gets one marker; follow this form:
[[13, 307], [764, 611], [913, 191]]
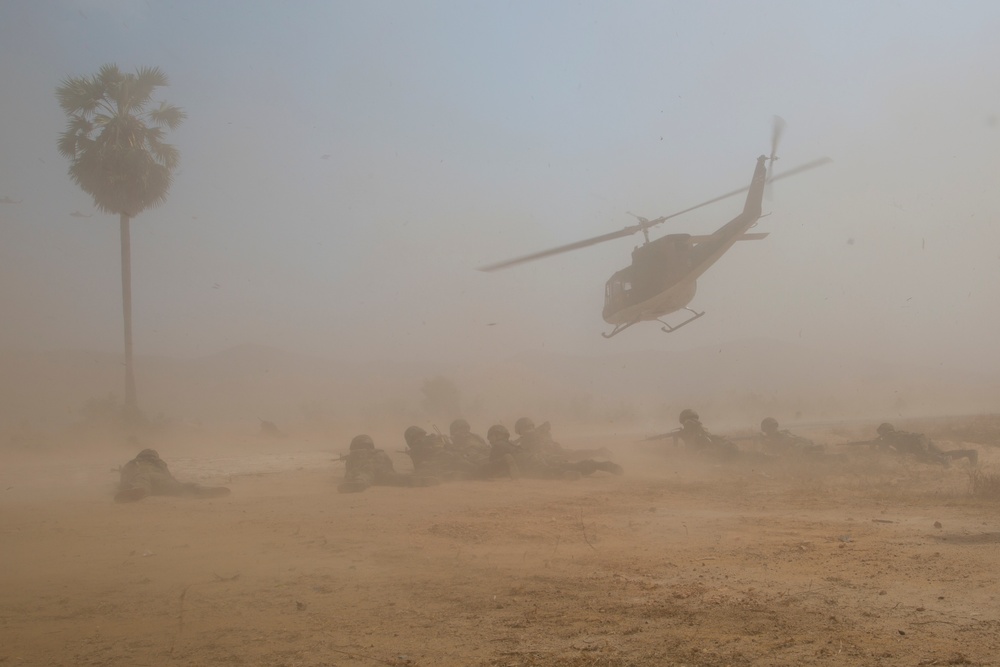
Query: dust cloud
[[344, 171]]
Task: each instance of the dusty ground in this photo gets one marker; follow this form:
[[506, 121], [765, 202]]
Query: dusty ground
[[864, 562]]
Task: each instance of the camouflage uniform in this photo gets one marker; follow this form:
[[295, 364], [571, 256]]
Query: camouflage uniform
[[777, 441], [434, 455], [366, 466], [535, 458], [540, 439], [147, 475], [694, 436], [501, 461], [538, 443], [537, 440], [463, 440], [920, 447]]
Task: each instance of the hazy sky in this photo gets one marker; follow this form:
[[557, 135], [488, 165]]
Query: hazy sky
[[345, 167]]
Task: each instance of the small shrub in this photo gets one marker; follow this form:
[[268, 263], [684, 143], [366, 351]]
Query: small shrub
[[984, 484]]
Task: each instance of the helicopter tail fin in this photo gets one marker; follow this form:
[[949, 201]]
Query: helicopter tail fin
[[755, 195]]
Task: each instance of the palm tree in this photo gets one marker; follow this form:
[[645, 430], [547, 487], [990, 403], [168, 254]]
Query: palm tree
[[114, 142]]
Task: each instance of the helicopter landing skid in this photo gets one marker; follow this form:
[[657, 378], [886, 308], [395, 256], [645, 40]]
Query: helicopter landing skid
[[666, 328], [618, 329]]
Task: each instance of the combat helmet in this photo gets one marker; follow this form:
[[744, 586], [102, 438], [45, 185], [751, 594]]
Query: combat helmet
[[149, 454], [885, 428], [362, 442], [459, 427], [523, 425], [769, 426], [498, 432], [686, 414], [413, 435]]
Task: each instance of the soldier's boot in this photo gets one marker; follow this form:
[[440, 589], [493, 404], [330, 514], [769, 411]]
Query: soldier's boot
[[613, 468], [131, 495], [352, 486]]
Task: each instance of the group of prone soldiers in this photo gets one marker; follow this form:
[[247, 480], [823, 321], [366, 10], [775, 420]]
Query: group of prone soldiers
[[463, 455], [780, 442]]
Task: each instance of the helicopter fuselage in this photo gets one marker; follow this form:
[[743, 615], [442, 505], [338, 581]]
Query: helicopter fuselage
[[662, 277]]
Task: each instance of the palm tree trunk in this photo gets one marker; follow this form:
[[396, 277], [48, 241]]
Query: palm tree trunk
[[131, 405]]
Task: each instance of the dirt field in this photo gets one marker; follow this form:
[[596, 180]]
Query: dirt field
[[680, 562]]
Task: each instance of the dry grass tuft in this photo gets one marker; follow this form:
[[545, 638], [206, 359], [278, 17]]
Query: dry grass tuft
[[984, 484]]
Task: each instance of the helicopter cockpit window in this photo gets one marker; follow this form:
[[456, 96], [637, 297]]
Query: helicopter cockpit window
[[617, 290]]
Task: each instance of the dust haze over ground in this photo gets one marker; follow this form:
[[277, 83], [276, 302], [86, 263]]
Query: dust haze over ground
[[867, 560], [418, 143], [344, 171]]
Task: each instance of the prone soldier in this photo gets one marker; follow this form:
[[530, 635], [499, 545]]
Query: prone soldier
[[537, 439], [433, 454], [540, 438], [920, 447], [366, 466], [465, 441], [781, 441], [502, 451], [148, 475], [535, 459], [696, 438]]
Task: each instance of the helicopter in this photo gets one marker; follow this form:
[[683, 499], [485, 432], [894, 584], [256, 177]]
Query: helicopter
[[662, 278]]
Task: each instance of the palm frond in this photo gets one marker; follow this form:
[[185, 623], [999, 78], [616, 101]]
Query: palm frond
[[79, 124], [165, 154], [138, 88], [74, 95], [67, 144], [116, 148], [108, 76], [167, 114], [148, 79]]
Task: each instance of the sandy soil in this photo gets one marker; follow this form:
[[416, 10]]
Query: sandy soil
[[869, 561]]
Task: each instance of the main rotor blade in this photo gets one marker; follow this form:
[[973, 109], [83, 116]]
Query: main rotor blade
[[803, 167], [632, 229], [610, 236], [791, 172]]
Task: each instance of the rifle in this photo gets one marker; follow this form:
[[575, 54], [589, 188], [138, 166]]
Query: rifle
[[860, 443], [445, 440], [663, 436]]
